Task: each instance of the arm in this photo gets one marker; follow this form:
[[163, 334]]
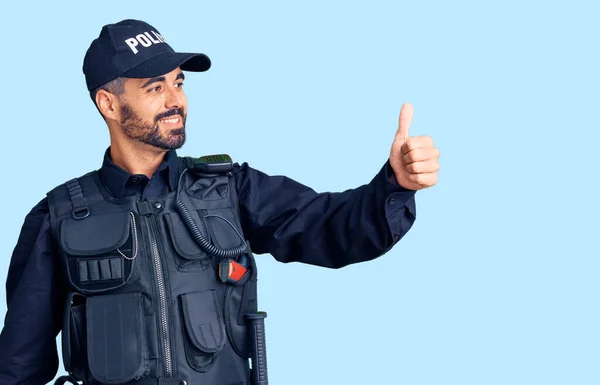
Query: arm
[[296, 224], [35, 301]]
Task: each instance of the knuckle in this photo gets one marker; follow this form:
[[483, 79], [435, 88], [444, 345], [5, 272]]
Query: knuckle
[[423, 141], [415, 142]]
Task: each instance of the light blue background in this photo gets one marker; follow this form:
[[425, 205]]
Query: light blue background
[[497, 282]]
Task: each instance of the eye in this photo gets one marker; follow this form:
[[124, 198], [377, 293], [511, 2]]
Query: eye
[[155, 89], [179, 85]]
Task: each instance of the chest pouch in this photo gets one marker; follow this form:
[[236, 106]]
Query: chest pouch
[[100, 251]]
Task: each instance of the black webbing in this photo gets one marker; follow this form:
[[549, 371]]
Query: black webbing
[[80, 209]]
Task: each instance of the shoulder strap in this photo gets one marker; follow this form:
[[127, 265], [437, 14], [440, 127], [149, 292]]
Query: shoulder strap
[[75, 197], [80, 208], [234, 197]]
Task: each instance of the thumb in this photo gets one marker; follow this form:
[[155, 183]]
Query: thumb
[[406, 115]]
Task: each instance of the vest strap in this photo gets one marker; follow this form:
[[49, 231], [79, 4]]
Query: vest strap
[[80, 209]]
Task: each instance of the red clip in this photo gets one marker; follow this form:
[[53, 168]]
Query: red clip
[[230, 271], [236, 271]]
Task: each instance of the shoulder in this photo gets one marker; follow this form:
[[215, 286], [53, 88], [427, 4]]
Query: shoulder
[[58, 199], [217, 164], [35, 222], [62, 189], [39, 211]]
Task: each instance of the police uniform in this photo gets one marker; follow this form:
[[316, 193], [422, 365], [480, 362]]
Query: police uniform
[[137, 272]]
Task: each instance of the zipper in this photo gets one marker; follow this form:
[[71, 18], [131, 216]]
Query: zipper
[[164, 329]]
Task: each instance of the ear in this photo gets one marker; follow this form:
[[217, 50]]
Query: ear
[[107, 104]]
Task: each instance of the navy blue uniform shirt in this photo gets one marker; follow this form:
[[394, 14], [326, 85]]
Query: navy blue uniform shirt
[[279, 216]]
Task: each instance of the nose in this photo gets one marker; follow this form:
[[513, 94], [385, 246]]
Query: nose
[[174, 98]]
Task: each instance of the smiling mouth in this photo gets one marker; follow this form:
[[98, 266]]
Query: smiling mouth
[[171, 120]]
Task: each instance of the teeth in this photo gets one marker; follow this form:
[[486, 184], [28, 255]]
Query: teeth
[[171, 121]]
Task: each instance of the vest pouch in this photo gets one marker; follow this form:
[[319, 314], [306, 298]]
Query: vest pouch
[[100, 251], [117, 351], [73, 336], [189, 256], [239, 300], [205, 330]]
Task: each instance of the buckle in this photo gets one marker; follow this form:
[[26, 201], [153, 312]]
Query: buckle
[[81, 213]]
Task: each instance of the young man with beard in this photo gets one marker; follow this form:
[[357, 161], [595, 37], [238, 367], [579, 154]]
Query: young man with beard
[[147, 264]]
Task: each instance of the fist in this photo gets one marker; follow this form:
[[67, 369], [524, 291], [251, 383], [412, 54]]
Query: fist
[[413, 159]]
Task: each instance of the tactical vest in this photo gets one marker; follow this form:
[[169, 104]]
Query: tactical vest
[[145, 300]]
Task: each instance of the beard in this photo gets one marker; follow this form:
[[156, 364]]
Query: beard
[[136, 128]]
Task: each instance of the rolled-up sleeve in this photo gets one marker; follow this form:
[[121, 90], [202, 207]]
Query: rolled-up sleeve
[[294, 223], [28, 353]]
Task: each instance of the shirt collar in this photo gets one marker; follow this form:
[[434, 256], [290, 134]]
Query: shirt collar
[[116, 178]]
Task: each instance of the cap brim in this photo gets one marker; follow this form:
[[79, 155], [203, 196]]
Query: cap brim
[[167, 62]]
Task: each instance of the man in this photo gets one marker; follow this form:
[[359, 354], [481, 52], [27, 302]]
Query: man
[[147, 264]]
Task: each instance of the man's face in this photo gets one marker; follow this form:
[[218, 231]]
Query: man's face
[[154, 111]]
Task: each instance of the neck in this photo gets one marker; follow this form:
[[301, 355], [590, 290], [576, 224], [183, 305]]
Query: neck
[[134, 159]]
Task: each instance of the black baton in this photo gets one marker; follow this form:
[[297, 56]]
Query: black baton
[[259, 349]]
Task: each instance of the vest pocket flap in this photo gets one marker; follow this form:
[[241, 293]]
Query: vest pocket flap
[[184, 243], [203, 320], [95, 234], [115, 335]]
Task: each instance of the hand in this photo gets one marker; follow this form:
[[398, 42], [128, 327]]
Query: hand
[[413, 159]]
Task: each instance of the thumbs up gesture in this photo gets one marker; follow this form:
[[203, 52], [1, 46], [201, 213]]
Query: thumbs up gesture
[[413, 159]]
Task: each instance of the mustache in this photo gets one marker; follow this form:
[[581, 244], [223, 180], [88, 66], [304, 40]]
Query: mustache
[[166, 114]]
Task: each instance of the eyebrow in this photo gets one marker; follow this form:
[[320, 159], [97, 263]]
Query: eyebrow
[[161, 79], [153, 80]]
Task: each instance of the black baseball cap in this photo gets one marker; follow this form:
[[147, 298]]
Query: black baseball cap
[[134, 49]]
